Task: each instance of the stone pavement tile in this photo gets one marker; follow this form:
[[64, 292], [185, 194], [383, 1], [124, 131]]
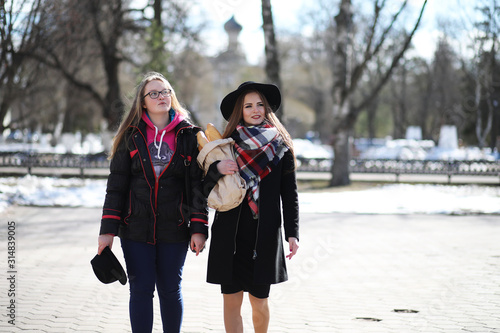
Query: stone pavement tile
[[38, 327], [348, 266], [403, 274]]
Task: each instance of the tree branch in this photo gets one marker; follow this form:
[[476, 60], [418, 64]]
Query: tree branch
[[394, 64], [368, 55], [57, 65]]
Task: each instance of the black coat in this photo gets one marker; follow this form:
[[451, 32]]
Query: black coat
[[142, 208], [277, 187]]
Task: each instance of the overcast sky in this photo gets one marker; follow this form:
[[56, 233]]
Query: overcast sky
[[287, 13]]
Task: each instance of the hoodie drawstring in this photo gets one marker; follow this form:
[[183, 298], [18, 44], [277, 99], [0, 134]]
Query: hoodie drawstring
[[161, 140]]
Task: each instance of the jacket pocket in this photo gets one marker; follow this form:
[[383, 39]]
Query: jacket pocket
[[183, 212], [129, 208], [137, 211], [172, 214]]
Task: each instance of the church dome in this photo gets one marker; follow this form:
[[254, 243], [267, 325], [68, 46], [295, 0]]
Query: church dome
[[232, 26]]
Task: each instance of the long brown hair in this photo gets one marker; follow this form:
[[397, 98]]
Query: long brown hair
[[133, 116], [237, 116]]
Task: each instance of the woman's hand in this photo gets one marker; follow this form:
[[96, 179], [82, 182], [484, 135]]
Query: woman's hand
[[197, 243], [294, 246], [103, 241], [227, 167]]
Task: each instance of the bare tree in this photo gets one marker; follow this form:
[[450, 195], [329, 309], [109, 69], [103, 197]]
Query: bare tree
[[348, 72], [97, 24], [444, 98], [16, 24], [484, 69], [86, 43]]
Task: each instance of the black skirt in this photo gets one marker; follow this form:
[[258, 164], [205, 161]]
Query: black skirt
[[243, 259]]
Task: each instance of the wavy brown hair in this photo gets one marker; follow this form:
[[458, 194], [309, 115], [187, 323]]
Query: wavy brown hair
[[237, 116], [133, 116]]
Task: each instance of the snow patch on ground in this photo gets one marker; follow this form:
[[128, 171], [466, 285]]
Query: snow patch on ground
[[383, 199]]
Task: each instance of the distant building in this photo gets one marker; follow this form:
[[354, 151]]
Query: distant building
[[228, 67], [233, 30], [228, 63], [226, 71]]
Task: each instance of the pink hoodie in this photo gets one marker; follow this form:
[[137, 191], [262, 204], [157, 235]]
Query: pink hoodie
[[161, 142]]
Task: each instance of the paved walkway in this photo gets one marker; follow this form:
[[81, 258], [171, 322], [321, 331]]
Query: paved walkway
[[353, 273]]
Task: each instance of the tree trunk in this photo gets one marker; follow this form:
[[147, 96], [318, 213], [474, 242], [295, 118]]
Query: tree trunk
[[482, 131], [340, 167], [115, 106], [341, 103], [425, 106], [372, 113], [271, 50], [399, 104], [321, 125], [158, 61], [108, 41], [4, 107], [5, 103], [113, 102], [402, 103]]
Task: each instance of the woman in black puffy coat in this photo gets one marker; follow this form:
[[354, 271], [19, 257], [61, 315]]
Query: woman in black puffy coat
[[154, 201]]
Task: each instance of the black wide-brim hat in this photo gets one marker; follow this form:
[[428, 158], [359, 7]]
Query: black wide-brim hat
[[270, 91], [107, 268]]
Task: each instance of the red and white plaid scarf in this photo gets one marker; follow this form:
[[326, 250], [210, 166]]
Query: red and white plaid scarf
[[257, 150]]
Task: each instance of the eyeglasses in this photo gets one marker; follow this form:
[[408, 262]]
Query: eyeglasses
[[154, 94]]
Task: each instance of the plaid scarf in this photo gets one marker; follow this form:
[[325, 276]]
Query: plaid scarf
[[257, 149]]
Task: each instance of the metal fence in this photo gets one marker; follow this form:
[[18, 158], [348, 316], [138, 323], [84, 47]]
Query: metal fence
[[30, 160], [470, 168], [404, 167]]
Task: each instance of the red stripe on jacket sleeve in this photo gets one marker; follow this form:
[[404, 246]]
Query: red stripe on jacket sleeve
[[111, 217], [199, 220]]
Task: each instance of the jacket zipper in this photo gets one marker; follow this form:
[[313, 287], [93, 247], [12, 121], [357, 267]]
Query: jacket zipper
[[257, 231], [155, 185], [157, 178], [180, 131]]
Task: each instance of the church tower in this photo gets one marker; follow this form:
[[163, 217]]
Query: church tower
[[233, 30]]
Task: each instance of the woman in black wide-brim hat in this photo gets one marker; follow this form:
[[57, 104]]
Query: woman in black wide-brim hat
[[246, 251]]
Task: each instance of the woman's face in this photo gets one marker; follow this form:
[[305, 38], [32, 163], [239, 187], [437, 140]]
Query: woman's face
[[161, 104], [254, 111]]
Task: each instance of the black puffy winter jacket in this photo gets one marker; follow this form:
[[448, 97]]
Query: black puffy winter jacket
[[140, 207]]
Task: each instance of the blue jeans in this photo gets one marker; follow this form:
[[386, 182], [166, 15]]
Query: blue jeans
[[149, 265]]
